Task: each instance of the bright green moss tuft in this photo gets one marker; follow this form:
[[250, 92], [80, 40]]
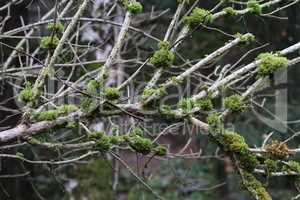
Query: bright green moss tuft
[[233, 142], [49, 42], [104, 144], [234, 103], [27, 94], [97, 135], [199, 16], [292, 166], [133, 7], [254, 7], [136, 131], [160, 150], [149, 92], [255, 187], [48, 115], [67, 108], [245, 39], [162, 57], [86, 104], [55, 26], [230, 11], [112, 93], [141, 145], [271, 165], [269, 63], [116, 140], [214, 122], [186, 104], [93, 86], [204, 104]]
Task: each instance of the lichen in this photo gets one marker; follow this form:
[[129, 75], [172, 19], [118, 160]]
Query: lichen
[[199, 16], [234, 103], [230, 11], [277, 149], [141, 145], [160, 150], [254, 7], [112, 93], [163, 57], [49, 42], [255, 187], [55, 27], [269, 63]]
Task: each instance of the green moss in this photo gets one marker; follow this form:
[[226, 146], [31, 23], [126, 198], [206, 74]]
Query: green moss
[[86, 104], [46, 115], [134, 7], [186, 104], [199, 16], [136, 131], [55, 27], [116, 140], [245, 39], [160, 150], [204, 104], [269, 63], [292, 166], [254, 7], [66, 108], [141, 145], [104, 144], [112, 93], [49, 42], [149, 92], [162, 57], [234, 103], [27, 94], [93, 86], [255, 187], [97, 135], [230, 11], [233, 142], [271, 165], [214, 122], [247, 160]]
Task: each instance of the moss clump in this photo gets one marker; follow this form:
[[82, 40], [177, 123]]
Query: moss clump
[[86, 104], [199, 16], [49, 42], [46, 115], [104, 144], [186, 104], [292, 166], [245, 39], [160, 150], [234, 103], [116, 140], [27, 94], [269, 63], [230, 11], [112, 93], [277, 149], [254, 7], [55, 27], [134, 7], [162, 57], [141, 145], [66, 109], [255, 187], [93, 87], [153, 91], [271, 165], [136, 131], [204, 104], [97, 135], [214, 122]]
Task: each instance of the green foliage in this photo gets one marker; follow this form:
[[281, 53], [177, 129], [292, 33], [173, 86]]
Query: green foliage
[[86, 104], [254, 7], [234, 103], [50, 115], [199, 16], [136, 131], [133, 7], [141, 145], [97, 135], [112, 93], [271, 165], [93, 86], [269, 63], [162, 57], [66, 109], [27, 94], [204, 104], [160, 150], [214, 122], [49, 42], [149, 92], [104, 143], [292, 166], [245, 39], [187, 104], [230, 11], [255, 187], [55, 27]]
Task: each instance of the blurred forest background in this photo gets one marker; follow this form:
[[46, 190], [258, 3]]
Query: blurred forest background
[[189, 179]]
